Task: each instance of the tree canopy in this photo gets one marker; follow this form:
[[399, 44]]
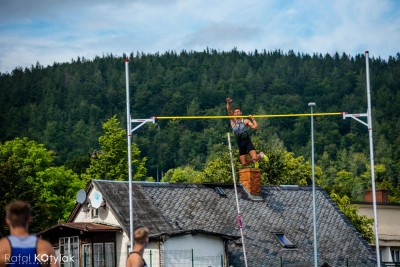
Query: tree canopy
[[27, 173]]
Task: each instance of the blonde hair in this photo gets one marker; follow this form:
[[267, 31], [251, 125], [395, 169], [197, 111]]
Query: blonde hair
[[140, 235]]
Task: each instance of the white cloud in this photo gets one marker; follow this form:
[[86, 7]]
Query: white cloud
[[49, 31]]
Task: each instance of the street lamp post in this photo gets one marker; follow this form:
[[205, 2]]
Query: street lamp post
[[311, 105]]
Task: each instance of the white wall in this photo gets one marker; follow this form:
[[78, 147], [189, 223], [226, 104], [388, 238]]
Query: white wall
[[177, 251], [206, 250], [388, 226], [152, 255], [122, 248], [388, 222], [203, 245], [122, 242]]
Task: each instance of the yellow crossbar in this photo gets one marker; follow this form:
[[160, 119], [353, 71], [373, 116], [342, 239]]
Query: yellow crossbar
[[255, 116]]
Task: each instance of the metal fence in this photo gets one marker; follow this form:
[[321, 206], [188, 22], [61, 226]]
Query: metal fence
[[181, 258], [390, 264], [188, 258], [348, 262]]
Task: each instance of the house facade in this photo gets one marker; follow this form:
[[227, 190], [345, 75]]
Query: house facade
[[84, 244], [388, 224], [197, 225]]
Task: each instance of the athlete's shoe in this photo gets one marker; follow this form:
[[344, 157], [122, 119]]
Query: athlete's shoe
[[263, 156]]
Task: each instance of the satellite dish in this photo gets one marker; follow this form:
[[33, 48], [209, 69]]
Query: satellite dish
[[81, 196], [96, 199]]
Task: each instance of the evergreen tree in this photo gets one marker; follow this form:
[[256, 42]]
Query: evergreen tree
[[111, 161]]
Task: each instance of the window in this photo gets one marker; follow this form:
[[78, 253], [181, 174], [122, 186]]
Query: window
[[95, 213], [86, 255], [98, 254], [396, 254], [128, 249], [220, 191], [103, 255], [69, 251], [283, 240], [109, 254]]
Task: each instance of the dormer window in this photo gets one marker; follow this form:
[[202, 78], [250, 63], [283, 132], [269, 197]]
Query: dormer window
[[220, 191], [95, 213], [283, 240]]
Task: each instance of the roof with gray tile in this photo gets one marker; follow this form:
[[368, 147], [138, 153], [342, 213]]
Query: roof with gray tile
[[169, 208]]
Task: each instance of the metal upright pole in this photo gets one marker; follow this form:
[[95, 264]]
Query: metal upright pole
[[311, 105], [371, 152], [129, 134], [237, 201]]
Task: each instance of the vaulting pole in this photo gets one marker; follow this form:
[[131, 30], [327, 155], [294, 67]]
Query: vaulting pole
[[237, 201], [129, 134]]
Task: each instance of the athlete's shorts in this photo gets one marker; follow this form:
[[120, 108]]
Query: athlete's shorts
[[245, 146]]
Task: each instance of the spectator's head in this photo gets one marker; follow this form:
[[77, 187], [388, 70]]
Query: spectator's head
[[141, 236], [18, 214]]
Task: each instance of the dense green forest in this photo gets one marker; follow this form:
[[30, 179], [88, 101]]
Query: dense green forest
[[63, 106]]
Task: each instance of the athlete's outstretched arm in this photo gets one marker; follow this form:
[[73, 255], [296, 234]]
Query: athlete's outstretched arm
[[228, 106]]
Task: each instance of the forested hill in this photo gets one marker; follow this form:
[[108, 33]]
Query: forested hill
[[63, 106]]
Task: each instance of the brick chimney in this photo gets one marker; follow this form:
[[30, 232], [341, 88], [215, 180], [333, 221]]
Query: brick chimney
[[381, 196], [251, 180]]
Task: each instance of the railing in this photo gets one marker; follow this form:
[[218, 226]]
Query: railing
[[188, 258], [390, 264], [181, 258]]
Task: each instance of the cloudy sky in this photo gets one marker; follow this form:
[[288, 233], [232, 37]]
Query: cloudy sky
[[48, 31]]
